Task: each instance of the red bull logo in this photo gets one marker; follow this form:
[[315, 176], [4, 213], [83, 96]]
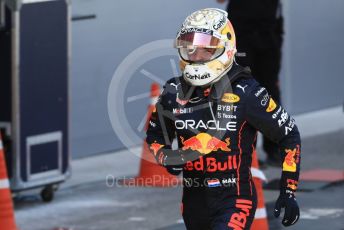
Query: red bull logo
[[292, 184], [291, 159], [205, 143], [155, 147], [211, 164]]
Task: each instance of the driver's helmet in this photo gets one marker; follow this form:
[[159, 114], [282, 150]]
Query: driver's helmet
[[206, 45]]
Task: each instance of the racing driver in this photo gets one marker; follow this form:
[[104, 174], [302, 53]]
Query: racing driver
[[214, 110]]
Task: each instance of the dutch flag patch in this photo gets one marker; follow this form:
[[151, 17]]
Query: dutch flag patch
[[213, 183]]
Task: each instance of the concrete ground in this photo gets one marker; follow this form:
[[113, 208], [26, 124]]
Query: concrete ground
[[91, 199]]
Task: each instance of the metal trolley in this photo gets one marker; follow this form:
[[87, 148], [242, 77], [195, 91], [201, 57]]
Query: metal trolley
[[34, 98]]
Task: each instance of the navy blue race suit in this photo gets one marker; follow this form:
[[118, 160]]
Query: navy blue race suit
[[259, 34], [217, 127]]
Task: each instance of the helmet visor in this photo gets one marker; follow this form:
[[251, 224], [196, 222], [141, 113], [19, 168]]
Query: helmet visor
[[192, 39], [200, 54]]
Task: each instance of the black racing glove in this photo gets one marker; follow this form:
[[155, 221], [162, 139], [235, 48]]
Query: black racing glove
[[175, 160], [287, 200]]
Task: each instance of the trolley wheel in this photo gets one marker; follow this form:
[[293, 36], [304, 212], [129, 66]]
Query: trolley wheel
[[47, 194]]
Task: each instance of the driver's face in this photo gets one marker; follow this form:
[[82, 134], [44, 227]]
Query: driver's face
[[200, 54]]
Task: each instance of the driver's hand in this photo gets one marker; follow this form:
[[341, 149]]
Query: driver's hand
[[287, 201]]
